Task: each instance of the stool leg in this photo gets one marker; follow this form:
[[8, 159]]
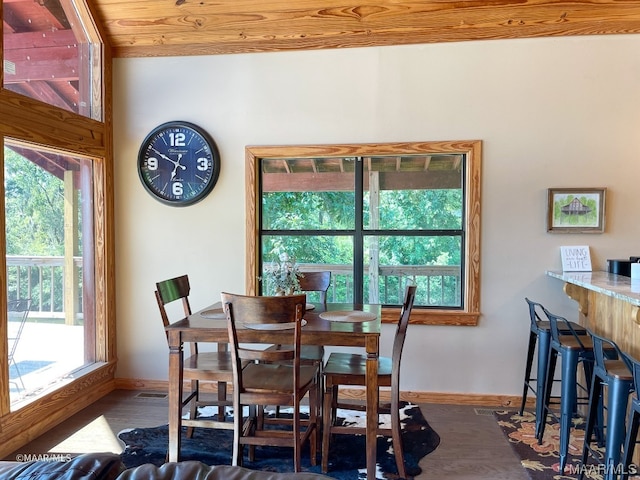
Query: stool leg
[[544, 345], [533, 337], [630, 442], [541, 420], [594, 403], [568, 401], [616, 412]]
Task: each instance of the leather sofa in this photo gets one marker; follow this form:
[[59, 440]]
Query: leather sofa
[[107, 466]]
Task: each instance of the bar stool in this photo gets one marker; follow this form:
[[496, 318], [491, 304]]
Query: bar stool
[[612, 369], [573, 350], [633, 422], [540, 334]]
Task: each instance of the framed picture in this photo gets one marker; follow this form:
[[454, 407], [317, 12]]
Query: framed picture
[[575, 210]]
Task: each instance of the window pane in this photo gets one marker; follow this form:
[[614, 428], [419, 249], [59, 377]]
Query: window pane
[[433, 263], [312, 254], [48, 56], [413, 193], [308, 194], [48, 205]]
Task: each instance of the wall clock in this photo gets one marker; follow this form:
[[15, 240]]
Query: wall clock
[[178, 163]]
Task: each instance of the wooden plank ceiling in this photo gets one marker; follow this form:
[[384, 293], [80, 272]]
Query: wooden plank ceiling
[[205, 27]]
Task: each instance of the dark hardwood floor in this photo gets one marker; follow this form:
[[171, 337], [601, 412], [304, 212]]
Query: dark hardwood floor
[[471, 447]]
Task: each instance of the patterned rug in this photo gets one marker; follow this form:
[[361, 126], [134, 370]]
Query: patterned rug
[[347, 456], [541, 462]]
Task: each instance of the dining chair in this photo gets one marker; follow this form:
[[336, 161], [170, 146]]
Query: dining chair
[[316, 282], [350, 369], [274, 376], [17, 308], [214, 367], [313, 282]]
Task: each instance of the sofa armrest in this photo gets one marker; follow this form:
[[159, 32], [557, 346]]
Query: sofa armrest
[[193, 469], [89, 466]]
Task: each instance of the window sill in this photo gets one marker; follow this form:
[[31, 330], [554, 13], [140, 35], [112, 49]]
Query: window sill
[[433, 317]]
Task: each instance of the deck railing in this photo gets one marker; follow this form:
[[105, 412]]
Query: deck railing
[[40, 278], [438, 285]]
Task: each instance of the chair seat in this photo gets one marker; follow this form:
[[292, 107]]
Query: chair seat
[[618, 370], [214, 366], [351, 369], [546, 325], [572, 343], [260, 377], [314, 353]]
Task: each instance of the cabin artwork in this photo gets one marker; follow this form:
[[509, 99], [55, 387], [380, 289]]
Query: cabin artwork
[[575, 207]]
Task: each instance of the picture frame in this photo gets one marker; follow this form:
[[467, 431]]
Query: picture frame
[[576, 210]]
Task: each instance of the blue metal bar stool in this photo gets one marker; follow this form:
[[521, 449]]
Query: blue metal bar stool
[[573, 350], [632, 424], [540, 334], [612, 370]]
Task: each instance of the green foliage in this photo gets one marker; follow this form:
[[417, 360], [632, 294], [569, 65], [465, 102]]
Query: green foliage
[[34, 203]]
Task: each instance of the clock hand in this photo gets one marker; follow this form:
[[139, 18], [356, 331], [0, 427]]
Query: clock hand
[[176, 164], [163, 155]]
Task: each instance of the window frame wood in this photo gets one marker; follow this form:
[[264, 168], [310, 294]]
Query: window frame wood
[[41, 125], [472, 149]]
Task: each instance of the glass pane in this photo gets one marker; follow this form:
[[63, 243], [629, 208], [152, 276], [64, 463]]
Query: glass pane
[[413, 193], [308, 194], [48, 56], [433, 263], [48, 205], [310, 254]]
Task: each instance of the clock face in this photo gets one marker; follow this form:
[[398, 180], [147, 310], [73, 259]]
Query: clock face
[[178, 163]]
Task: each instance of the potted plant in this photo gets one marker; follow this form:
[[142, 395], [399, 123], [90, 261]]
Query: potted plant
[[283, 276]]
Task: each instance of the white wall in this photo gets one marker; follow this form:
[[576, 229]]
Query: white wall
[[551, 113]]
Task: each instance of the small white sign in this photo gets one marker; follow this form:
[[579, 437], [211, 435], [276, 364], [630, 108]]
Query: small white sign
[[576, 259]]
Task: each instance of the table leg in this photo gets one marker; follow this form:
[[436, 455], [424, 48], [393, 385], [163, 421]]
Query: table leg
[[176, 361], [372, 348]]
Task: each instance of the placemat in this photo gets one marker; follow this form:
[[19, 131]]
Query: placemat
[[273, 326], [348, 316], [213, 313]]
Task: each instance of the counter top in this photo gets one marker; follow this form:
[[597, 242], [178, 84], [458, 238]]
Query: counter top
[[617, 286]]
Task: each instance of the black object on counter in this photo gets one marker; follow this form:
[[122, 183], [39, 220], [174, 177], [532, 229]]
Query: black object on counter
[[620, 267]]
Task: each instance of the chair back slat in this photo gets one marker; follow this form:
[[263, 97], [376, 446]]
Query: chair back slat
[[400, 336], [534, 313], [172, 290], [254, 311], [606, 349], [558, 323], [316, 282]]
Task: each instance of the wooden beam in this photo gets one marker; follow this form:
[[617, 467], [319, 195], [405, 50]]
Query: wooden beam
[[189, 27]]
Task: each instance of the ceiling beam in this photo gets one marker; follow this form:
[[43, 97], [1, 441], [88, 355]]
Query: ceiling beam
[[190, 27]]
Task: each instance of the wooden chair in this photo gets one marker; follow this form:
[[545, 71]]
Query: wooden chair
[[275, 376], [198, 367], [316, 282], [313, 282], [17, 308], [350, 369]]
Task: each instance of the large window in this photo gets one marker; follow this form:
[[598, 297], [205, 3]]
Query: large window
[[57, 217], [377, 217]]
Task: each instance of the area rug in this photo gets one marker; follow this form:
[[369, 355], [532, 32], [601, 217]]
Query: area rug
[[347, 456], [541, 462]]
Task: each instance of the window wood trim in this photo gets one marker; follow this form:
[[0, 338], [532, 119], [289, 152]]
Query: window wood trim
[[469, 316], [36, 123]]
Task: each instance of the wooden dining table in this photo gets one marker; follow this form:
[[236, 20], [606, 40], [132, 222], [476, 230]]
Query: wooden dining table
[[316, 331]]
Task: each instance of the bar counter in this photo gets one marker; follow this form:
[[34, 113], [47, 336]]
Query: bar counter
[[608, 304]]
